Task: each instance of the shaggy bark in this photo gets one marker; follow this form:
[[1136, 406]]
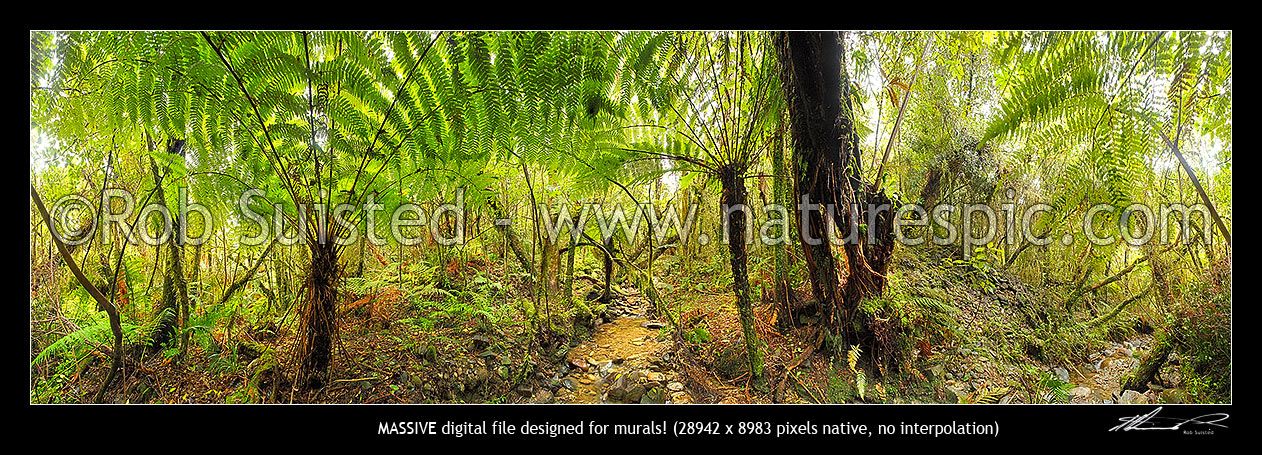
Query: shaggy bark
[[318, 327]]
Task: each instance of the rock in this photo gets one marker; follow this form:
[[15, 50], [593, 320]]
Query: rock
[[604, 366], [480, 341], [568, 383], [579, 364], [618, 391], [654, 396], [652, 325], [936, 371], [1007, 399], [1171, 396], [526, 390], [1061, 373], [960, 392], [675, 387], [1132, 397], [1124, 352], [656, 377], [634, 394], [543, 396], [1106, 362], [1080, 392]]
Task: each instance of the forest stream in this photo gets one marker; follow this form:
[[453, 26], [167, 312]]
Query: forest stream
[[622, 362]]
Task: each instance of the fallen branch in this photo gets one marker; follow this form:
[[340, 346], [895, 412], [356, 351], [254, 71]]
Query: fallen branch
[[1117, 309]]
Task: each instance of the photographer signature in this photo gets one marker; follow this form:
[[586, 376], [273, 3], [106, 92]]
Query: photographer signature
[[1150, 421]]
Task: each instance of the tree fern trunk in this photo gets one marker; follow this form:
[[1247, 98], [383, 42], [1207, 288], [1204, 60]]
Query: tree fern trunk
[[174, 287], [733, 196], [318, 327], [780, 194]]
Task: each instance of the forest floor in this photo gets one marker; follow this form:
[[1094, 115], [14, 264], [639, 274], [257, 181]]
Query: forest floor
[[635, 356]]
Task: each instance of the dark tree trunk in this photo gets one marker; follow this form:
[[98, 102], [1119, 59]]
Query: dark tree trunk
[[734, 195], [569, 271], [318, 326], [827, 155], [810, 72]]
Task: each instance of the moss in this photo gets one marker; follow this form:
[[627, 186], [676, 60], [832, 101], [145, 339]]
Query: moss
[[264, 372]]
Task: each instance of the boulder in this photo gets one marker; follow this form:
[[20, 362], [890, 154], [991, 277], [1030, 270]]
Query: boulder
[[1132, 397]]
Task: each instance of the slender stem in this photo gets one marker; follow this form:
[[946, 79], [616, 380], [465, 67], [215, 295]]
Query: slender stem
[[898, 121]]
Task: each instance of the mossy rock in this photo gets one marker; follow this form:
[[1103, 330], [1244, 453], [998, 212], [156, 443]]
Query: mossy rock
[[265, 377], [731, 362], [426, 353]]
